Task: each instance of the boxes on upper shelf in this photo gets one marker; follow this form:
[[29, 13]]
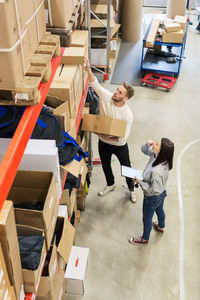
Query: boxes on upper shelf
[[74, 55], [68, 86], [58, 12], [21, 29]]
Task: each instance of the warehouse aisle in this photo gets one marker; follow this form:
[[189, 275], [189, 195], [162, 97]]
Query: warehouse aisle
[[168, 268]]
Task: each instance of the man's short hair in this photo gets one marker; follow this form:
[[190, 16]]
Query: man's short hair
[[129, 89]]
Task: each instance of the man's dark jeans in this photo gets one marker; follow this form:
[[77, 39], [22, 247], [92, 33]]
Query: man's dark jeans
[[122, 153]]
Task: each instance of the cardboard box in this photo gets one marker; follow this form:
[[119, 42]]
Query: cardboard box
[[172, 27], [62, 211], [49, 273], [64, 234], [75, 274], [72, 130], [69, 200], [73, 56], [79, 38], [39, 155], [101, 10], [63, 114], [115, 3], [10, 248], [68, 86], [4, 280], [83, 142], [32, 278], [17, 52], [182, 20], [173, 37], [58, 12], [36, 186], [103, 125]]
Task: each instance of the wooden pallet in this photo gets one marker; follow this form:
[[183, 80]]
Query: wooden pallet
[[26, 91], [65, 33]]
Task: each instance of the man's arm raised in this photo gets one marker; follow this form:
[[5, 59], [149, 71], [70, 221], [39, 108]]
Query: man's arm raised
[[87, 68]]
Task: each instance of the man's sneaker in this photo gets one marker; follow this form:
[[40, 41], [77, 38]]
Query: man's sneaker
[[138, 241], [133, 197], [155, 226], [106, 190]]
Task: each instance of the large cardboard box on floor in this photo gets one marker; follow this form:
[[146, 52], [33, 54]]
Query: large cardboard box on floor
[[58, 12], [68, 86], [10, 248], [32, 277], [75, 275], [21, 29], [39, 188], [173, 37], [103, 125]]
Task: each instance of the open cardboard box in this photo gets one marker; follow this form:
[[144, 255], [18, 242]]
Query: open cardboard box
[[10, 248], [32, 277], [36, 186]]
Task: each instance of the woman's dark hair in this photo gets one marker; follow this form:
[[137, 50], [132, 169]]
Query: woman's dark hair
[[166, 153]]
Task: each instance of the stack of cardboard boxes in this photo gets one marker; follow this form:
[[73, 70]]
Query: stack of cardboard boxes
[[22, 26], [174, 30], [64, 16]]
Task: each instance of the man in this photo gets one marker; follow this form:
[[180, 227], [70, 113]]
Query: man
[[114, 106]]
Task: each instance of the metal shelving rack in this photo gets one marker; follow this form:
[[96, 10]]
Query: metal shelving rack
[[15, 151], [107, 36]]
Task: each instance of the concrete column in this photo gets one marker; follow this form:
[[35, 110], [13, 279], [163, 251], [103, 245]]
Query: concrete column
[[176, 7], [131, 20]]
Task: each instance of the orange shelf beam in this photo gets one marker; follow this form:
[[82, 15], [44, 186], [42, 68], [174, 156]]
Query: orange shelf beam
[[13, 156]]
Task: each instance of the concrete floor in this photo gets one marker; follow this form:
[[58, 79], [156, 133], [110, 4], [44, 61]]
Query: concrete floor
[[168, 268]]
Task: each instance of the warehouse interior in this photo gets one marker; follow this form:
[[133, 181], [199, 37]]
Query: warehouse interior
[[117, 269], [93, 243]]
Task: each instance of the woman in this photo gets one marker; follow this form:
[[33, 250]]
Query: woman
[[153, 185]]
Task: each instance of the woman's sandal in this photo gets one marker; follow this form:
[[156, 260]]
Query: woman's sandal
[[155, 226]]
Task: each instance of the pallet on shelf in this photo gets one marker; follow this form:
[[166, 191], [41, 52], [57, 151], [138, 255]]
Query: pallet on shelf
[[65, 33], [26, 91]]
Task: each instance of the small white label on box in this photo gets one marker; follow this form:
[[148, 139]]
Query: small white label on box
[[51, 201], [1, 275], [22, 96], [5, 295], [46, 16]]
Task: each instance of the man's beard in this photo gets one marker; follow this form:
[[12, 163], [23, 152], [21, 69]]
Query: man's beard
[[117, 100]]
